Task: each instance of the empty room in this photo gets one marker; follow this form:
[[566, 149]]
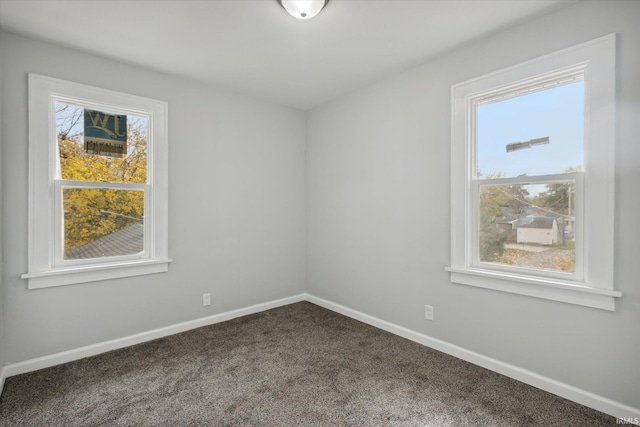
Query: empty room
[[319, 212]]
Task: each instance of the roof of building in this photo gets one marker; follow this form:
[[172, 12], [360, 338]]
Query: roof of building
[[127, 241], [531, 221]]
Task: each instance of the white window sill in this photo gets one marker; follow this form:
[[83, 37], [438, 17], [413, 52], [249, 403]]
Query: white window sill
[[551, 289], [92, 273]]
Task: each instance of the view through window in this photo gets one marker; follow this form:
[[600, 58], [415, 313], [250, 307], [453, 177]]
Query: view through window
[[99, 220], [530, 145]]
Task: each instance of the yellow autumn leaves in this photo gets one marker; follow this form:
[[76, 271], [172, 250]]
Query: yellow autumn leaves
[[91, 213]]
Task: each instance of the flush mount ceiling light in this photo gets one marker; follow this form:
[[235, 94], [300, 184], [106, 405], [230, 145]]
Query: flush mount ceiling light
[[303, 9]]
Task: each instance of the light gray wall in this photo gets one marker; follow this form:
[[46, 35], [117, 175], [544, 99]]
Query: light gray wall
[[378, 211], [236, 208]]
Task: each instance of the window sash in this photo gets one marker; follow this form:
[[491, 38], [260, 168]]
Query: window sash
[[108, 108], [473, 218], [58, 260], [548, 81]]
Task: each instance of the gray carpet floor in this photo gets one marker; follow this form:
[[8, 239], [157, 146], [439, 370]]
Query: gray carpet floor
[[298, 365]]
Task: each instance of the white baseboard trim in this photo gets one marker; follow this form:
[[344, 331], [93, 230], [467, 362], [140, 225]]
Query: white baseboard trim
[[2, 378], [567, 391], [103, 347], [558, 388]]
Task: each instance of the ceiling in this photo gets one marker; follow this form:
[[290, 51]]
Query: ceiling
[[254, 47]]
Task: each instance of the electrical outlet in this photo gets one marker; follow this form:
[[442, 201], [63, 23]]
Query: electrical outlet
[[206, 300], [428, 312]]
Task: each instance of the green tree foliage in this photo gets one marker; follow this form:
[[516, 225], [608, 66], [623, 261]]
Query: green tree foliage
[[492, 239], [557, 196], [492, 201], [91, 213], [493, 198]]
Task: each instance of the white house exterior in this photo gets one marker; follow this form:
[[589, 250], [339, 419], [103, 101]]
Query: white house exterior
[[537, 230]]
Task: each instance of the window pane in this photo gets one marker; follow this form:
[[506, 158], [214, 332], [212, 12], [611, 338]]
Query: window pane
[[511, 133], [102, 223], [528, 225], [79, 165]]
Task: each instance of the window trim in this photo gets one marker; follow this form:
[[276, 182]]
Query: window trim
[[596, 59], [44, 270]]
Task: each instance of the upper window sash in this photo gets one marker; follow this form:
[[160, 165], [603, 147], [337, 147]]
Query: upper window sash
[[112, 109], [548, 81]]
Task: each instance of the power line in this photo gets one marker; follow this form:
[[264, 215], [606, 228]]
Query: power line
[[102, 211], [532, 205]]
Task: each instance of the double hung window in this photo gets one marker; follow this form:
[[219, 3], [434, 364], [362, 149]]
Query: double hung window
[[532, 178], [98, 184]]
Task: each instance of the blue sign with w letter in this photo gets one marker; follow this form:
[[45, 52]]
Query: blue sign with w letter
[[105, 134]]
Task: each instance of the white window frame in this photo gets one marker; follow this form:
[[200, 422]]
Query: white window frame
[[46, 235], [592, 284]]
